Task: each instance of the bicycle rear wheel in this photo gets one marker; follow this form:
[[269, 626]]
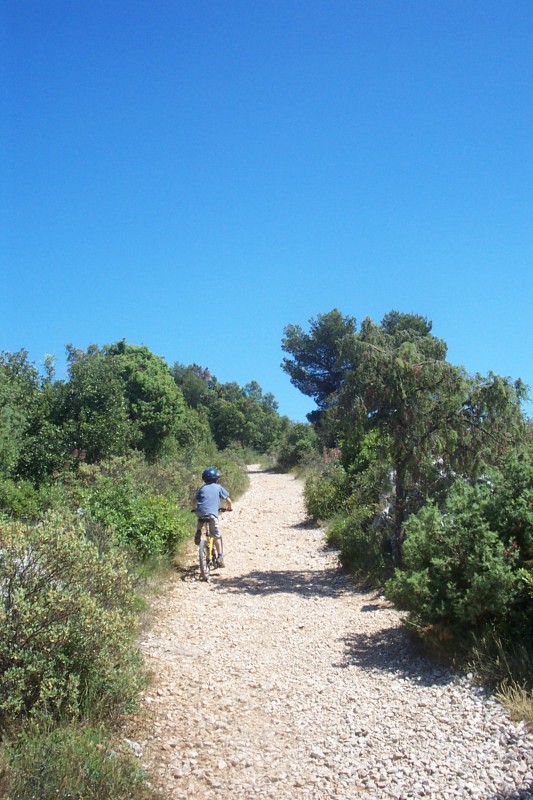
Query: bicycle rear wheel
[[204, 560]]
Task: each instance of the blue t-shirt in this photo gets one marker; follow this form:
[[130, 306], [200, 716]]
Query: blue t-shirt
[[208, 498]]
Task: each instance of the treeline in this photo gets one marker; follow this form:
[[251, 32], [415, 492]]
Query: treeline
[[425, 479], [96, 477], [120, 399]]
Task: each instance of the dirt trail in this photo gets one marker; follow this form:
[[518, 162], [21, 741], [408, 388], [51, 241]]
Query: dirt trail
[[316, 692]]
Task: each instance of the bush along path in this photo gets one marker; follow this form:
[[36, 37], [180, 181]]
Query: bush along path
[[278, 679]]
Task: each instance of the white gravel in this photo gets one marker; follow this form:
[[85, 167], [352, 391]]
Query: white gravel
[[279, 680]]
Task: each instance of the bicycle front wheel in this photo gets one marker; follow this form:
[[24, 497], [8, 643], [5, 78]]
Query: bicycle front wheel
[[204, 560]]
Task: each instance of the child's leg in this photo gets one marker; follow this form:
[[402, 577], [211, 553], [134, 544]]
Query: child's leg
[[215, 532], [198, 534]]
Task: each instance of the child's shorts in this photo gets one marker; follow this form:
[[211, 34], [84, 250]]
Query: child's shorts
[[214, 530]]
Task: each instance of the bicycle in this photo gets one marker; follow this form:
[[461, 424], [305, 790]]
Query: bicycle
[[207, 554]]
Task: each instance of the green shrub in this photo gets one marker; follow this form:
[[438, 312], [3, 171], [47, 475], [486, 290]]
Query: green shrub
[[155, 525], [457, 574], [326, 491], [194, 429], [151, 524], [299, 442], [68, 624], [167, 476], [363, 544], [70, 763], [20, 499], [510, 505], [146, 504]]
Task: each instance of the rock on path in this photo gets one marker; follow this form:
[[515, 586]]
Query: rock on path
[[314, 689]]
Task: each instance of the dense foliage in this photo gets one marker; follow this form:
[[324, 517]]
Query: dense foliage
[[235, 414], [67, 622], [432, 488], [318, 363], [120, 399], [299, 445]]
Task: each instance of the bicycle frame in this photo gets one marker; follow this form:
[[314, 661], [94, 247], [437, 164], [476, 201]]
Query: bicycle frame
[[207, 554]]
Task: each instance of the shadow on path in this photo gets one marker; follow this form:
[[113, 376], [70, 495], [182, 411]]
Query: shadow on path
[[390, 650], [525, 793], [305, 525], [189, 573], [307, 583]]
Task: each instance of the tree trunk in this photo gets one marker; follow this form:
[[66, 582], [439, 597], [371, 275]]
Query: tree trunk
[[399, 516]]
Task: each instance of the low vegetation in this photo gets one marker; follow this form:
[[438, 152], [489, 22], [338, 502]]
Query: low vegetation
[[70, 762]]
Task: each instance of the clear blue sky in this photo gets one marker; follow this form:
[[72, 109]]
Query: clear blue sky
[[194, 175]]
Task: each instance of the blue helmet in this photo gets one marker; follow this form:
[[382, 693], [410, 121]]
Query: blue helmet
[[210, 475]]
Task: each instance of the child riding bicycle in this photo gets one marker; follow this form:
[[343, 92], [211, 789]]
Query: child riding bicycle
[[206, 505]]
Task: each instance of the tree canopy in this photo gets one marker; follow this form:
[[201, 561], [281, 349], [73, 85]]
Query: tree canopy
[[318, 364], [393, 377], [243, 415], [117, 399]]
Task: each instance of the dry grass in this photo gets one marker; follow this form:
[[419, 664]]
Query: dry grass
[[518, 702]]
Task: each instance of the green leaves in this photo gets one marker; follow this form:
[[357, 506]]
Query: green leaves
[[236, 415], [67, 621], [118, 397], [150, 524], [326, 491], [393, 378], [457, 572], [318, 364], [300, 442]]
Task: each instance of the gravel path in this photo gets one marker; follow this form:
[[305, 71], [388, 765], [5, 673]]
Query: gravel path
[[316, 692]]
